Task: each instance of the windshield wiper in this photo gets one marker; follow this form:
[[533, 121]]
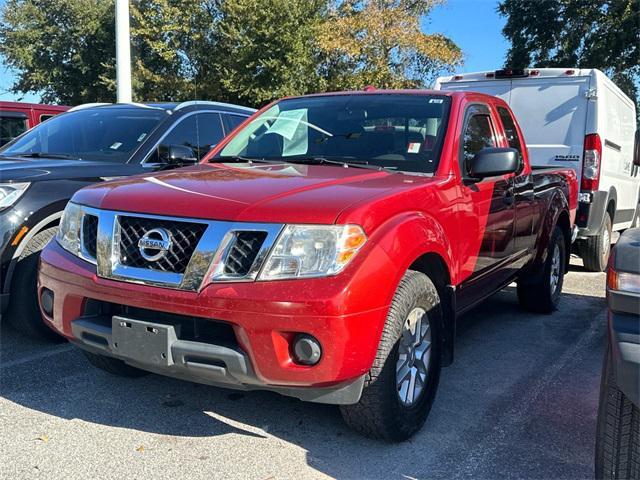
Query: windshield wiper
[[319, 160], [45, 155], [239, 158]]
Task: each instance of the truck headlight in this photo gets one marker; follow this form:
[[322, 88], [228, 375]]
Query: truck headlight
[[69, 230], [305, 251], [11, 192]]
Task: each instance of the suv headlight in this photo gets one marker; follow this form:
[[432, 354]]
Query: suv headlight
[[304, 251], [69, 230], [11, 192]]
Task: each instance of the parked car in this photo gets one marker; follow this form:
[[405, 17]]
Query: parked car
[[43, 168], [581, 119], [18, 117], [323, 251], [618, 435]]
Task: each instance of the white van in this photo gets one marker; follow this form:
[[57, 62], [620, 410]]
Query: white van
[[578, 118]]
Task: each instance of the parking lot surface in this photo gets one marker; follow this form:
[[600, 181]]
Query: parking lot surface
[[519, 402]]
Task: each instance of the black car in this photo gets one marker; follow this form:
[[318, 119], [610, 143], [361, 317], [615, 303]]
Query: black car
[[618, 435], [41, 169]]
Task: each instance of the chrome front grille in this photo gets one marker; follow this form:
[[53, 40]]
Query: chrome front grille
[[90, 235], [243, 252], [192, 253], [184, 240]]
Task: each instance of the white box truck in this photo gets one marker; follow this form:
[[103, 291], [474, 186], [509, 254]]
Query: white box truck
[[578, 118]]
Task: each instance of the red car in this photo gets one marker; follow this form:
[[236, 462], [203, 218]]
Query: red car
[[323, 250], [18, 117]]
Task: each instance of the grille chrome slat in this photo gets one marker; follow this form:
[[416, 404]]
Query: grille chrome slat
[[185, 237], [201, 251]]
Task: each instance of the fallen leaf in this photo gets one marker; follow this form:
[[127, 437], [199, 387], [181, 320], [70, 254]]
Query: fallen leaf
[[43, 438], [140, 449]]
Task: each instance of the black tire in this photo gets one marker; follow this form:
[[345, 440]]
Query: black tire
[[539, 296], [380, 413], [618, 431], [24, 313], [596, 249], [113, 365]]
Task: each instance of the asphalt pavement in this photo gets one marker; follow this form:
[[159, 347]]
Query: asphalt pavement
[[519, 401]]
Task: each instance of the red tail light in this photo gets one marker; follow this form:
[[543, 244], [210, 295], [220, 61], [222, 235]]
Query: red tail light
[[591, 162]]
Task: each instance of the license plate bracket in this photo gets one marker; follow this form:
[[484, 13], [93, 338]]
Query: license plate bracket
[[141, 341]]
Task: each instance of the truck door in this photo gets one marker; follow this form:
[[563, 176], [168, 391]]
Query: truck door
[[490, 226], [527, 211]]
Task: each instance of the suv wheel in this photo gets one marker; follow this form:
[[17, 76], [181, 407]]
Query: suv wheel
[[543, 295], [24, 313], [402, 383], [596, 249], [618, 433]]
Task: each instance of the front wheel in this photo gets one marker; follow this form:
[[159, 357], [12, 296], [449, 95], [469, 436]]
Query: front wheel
[[543, 295], [24, 313], [402, 383]]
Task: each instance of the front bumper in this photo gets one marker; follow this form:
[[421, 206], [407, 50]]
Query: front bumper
[[264, 316]]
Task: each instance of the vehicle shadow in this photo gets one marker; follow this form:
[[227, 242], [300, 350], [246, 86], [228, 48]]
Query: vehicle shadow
[[519, 401]]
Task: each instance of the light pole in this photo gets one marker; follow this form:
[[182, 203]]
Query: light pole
[[123, 52]]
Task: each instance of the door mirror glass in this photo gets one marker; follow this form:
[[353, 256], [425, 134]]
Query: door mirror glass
[[492, 162]]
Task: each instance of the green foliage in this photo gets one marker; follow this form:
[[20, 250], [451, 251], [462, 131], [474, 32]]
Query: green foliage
[[241, 51], [62, 48], [381, 43], [602, 34], [265, 50]]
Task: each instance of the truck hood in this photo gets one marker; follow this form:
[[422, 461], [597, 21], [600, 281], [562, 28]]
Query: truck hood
[[17, 169], [283, 193]]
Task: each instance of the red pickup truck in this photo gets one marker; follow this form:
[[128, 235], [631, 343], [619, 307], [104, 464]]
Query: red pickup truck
[[323, 250]]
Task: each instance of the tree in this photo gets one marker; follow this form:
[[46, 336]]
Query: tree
[[602, 34], [380, 42], [265, 50], [60, 48]]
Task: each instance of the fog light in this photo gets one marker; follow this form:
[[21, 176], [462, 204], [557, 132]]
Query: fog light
[[46, 301], [306, 350]]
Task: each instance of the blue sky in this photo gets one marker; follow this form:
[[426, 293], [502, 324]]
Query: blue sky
[[473, 24]]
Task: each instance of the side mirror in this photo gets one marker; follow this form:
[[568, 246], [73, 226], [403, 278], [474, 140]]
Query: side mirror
[[636, 150], [180, 155], [492, 162]]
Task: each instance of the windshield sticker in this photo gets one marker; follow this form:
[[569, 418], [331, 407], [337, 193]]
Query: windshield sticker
[[436, 100], [116, 146], [141, 137], [288, 122], [414, 147]]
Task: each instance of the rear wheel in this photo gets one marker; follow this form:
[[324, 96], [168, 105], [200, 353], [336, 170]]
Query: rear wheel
[[113, 365], [596, 249], [24, 313], [618, 433], [402, 383], [543, 295]]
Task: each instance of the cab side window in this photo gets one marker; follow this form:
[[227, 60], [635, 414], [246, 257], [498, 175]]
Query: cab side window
[[200, 132], [478, 134], [510, 129]]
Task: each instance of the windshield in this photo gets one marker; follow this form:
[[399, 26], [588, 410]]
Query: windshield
[[396, 131], [102, 134]]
